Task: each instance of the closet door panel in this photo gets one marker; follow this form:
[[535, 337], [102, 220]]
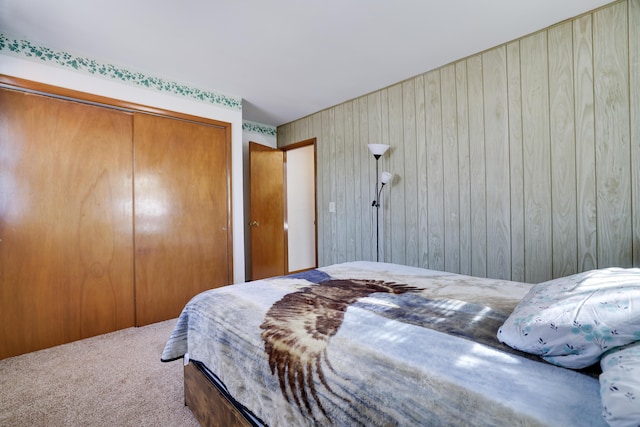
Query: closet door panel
[[181, 214], [66, 234]]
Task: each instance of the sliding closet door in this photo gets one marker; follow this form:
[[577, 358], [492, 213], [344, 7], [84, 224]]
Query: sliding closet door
[[66, 235], [181, 214]]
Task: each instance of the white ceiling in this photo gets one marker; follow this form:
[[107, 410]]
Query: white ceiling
[[285, 58]]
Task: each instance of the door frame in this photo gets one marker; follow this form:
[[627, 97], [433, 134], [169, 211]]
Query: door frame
[[248, 243], [301, 144]]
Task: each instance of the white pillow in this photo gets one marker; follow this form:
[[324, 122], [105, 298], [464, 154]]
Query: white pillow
[[620, 386], [573, 320]]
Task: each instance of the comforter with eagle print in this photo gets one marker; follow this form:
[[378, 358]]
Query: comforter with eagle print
[[369, 344]]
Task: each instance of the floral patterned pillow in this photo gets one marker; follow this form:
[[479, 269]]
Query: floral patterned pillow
[[573, 320], [620, 385]]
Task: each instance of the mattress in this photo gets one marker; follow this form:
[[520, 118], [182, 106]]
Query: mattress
[[366, 343]]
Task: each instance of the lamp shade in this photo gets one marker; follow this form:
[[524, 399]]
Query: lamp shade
[[378, 149], [386, 177]]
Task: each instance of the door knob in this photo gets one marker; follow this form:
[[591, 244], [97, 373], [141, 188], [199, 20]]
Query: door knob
[[254, 223]]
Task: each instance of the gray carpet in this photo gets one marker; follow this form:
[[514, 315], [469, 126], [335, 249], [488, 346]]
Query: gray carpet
[[115, 379]]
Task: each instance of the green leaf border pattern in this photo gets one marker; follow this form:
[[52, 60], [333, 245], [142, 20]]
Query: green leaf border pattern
[[64, 59], [258, 128]]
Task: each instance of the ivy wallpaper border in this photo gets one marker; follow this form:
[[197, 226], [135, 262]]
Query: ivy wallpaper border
[[258, 128], [31, 51]]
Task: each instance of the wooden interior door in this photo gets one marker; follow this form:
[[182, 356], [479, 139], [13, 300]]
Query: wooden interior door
[[267, 204], [66, 252], [182, 211]]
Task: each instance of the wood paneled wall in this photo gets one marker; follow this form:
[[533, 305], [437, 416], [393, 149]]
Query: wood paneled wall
[[521, 162]]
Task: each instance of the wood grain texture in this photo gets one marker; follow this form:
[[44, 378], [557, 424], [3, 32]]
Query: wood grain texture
[[181, 214], [464, 178], [386, 238], [563, 149], [350, 180], [325, 159], [375, 136], [66, 254], [321, 204], [613, 150], [409, 168], [435, 173], [494, 78], [78, 181], [340, 178], [477, 168], [393, 198], [365, 194], [546, 132], [422, 199], [208, 405], [537, 156], [516, 162], [267, 212], [450, 159], [634, 91], [586, 221]]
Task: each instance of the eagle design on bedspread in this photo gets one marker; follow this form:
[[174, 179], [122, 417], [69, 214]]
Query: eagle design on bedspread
[[297, 330]]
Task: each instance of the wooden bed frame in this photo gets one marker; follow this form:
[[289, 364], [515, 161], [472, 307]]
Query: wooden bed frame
[[210, 407]]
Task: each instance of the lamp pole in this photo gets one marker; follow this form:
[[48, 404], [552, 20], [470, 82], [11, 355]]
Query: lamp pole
[[378, 150], [377, 205]]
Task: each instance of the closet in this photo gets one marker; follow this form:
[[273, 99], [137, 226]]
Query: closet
[[109, 218], [181, 214]]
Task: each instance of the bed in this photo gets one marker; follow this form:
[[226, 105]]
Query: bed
[[365, 343]]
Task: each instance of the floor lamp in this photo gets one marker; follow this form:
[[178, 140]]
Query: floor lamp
[[378, 150]]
